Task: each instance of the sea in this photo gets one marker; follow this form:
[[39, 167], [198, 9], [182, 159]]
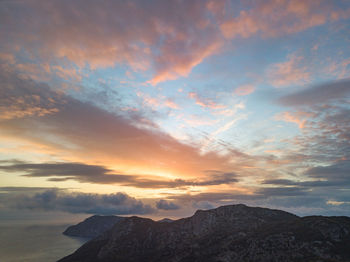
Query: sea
[[36, 243]]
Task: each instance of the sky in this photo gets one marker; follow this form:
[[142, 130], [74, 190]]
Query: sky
[[160, 108]]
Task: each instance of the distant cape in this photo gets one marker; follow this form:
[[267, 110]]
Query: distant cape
[[225, 234], [92, 226]]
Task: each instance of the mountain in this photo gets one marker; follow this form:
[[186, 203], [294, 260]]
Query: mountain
[[227, 233], [165, 220], [92, 226]]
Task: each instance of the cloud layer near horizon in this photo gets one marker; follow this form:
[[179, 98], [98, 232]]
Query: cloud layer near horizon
[[73, 202], [58, 172]]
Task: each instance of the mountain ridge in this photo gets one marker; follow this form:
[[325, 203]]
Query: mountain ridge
[[225, 234], [92, 226]]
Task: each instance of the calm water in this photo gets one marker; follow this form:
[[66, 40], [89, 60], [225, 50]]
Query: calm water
[[36, 243]]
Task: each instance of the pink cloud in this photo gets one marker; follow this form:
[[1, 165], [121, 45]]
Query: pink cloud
[[171, 65], [7, 58], [290, 72], [279, 17], [300, 118], [166, 37], [244, 90], [159, 101], [339, 69], [171, 104], [67, 73], [205, 102]]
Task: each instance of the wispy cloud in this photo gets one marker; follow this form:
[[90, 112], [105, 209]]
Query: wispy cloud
[[299, 118], [244, 90], [156, 102], [205, 102], [90, 133], [290, 72]]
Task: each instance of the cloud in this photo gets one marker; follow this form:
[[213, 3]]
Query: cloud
[[228, 125], [299, 118], [214, 197], [168, 37], [203, 205], [323, 114], [79, 130], [27, 99], [317, 94], [166, 205], [199, 120], [156, 102], [281, 191], [75, 202], [205, 102], [171, 104], [325, 136], [84, 173], [339, 171], [24, 189], [290, 72], [244, 90], [172, 66], [295, 199], [326, 182], [274, 18], [7, 58]]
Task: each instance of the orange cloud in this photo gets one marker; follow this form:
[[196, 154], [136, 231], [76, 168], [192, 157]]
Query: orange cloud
[[230, 111], [171, 104], [27, 103], [81, 132], [299, 118], [172, 65], [21, 109]]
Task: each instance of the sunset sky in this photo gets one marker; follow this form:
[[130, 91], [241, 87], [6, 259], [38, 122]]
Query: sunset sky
[[160, 108]]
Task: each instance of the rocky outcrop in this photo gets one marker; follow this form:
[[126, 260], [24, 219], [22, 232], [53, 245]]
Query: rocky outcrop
[[92, 226], [228, 233]]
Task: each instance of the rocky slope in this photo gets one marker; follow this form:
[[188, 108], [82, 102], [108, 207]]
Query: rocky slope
[[92, 226], [228, 233]]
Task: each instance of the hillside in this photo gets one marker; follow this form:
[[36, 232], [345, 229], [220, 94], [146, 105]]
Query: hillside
[[227, 233]]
